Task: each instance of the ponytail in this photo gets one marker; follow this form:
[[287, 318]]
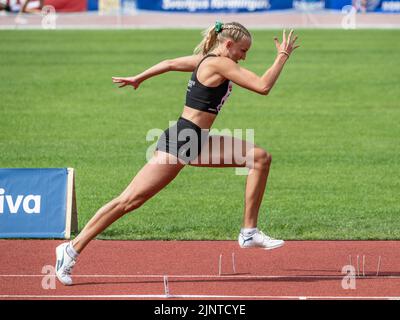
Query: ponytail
[[221, 31], [208, 43]]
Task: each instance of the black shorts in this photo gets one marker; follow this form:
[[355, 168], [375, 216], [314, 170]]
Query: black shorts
[[184, 140]]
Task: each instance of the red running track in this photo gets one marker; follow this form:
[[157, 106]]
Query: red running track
[[138, 270]]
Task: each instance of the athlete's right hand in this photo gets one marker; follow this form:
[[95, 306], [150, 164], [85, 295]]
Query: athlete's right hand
[[130, 81]]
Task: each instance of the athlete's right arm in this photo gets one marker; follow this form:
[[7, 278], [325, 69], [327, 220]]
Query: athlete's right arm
[[187, 64]]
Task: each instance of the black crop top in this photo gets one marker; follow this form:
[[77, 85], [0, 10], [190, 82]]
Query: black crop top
[[208, 99]]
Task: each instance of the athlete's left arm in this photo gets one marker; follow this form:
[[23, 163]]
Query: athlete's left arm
[[248, 79], [187, 64]]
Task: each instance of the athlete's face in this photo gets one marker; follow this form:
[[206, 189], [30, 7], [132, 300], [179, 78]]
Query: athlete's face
[[237, 50]]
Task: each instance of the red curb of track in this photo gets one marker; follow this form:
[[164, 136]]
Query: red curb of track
[[137, 269]]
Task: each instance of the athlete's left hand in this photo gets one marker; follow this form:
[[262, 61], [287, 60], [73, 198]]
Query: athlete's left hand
[[287, 44], [130, 81]]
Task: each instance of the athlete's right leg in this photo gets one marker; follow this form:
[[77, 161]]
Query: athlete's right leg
[[225, 151], [153, 177]]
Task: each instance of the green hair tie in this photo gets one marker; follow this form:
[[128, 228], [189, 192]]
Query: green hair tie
[[218, 26]]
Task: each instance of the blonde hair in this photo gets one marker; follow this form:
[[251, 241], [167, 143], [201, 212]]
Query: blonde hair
[[213, 36]]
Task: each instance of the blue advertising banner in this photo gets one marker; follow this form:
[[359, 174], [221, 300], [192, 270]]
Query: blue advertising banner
[[213, 5], [389, 6], [309, 5], [33, 203], [337, 4]]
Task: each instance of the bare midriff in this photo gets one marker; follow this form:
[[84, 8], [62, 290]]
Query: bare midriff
[[203, 119]]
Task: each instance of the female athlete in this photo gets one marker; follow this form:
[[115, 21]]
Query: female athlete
[[214, 66]]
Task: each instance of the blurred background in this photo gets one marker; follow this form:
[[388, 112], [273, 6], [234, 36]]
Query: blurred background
[[179, 13]]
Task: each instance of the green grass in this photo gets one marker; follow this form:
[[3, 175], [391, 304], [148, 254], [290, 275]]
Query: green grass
[[331, 124]]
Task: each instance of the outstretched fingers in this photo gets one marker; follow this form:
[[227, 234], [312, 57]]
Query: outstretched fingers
[[277, 44], [294, 40], [117, 80], [122, 81], [290, 36]]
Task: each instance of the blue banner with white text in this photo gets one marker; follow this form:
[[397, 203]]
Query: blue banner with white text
[[385, 6], [388, 6], [213, 5], [33, 203]]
